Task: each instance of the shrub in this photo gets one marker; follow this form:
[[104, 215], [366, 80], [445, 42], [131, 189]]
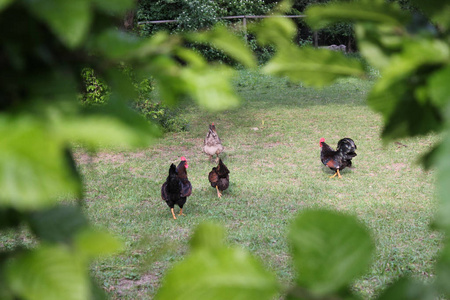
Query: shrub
[[169, 119], [95, 91]]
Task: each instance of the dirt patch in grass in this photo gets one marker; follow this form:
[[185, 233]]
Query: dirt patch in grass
[[397, 166], [125, 285], [115, 158]]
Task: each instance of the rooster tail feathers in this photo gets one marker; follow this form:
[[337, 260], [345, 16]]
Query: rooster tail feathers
[[347, 146], [222, 169], [173, 169]]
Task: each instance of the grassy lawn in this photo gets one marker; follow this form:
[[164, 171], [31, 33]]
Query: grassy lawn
[[272, 151]]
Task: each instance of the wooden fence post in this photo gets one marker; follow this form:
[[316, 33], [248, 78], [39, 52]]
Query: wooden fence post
[[245, 29]]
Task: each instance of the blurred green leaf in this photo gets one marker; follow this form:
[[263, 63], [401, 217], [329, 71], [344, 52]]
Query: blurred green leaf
[[103, 130], [415, 54], [378, 43], [9, 218], [329, 250], [69, 20], [442, 159], [57, 224], [411, 118], [437, 10], [399, 56], [300, 293], [222, 274], [117, 6], [400, 95], [114, 124], [229, 43], [283, 6], [33, 165], [48, 272], [5, 3], [439, 88], [428, 159], [121, 45], [208, 236], [379, 26], [191, 57], [408, 289], [92, 243], [312, 66], [217, 272], [210, 87], [416, 61], [374, 11], [443, 268], [166, 73], [279, 31]]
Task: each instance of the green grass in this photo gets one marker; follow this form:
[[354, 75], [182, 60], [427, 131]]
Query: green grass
[[272, 151]]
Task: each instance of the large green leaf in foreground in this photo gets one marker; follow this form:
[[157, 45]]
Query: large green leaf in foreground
[[33, 165], [374, 11], [409, 93], [378, 25], [69, 20], [442, 160], [48, 272], [214, 271], [329, 250], [408, 289], [310, 66], [229, 43]]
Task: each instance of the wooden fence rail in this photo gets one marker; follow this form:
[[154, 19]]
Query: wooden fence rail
[[244, 22]]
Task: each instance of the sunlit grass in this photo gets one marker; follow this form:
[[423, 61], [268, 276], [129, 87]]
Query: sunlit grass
[[272, 151]]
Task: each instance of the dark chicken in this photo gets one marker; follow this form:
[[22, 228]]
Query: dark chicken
[[337, 160], [219, 178], [177, 187]]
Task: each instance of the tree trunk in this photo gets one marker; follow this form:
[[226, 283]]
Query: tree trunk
[[128, 21]]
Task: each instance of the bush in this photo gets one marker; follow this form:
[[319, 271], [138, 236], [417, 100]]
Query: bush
[[263, 53], [95, 91], [169, 119]]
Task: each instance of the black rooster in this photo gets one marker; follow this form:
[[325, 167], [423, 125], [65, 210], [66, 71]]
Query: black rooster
[[219, 178], [177, 187], [340, 158]]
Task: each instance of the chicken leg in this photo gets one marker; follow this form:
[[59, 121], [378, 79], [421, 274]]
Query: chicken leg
[[219, 194], [337, 173], [181, 212], [173, 214]]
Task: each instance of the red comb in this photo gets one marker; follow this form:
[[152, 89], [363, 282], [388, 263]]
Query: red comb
[[183, 158], [212, 123], [322, 140]]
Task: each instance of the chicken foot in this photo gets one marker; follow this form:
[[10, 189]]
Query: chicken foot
[[173, 214], [337, 173], [219, 194], [181, 212]]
